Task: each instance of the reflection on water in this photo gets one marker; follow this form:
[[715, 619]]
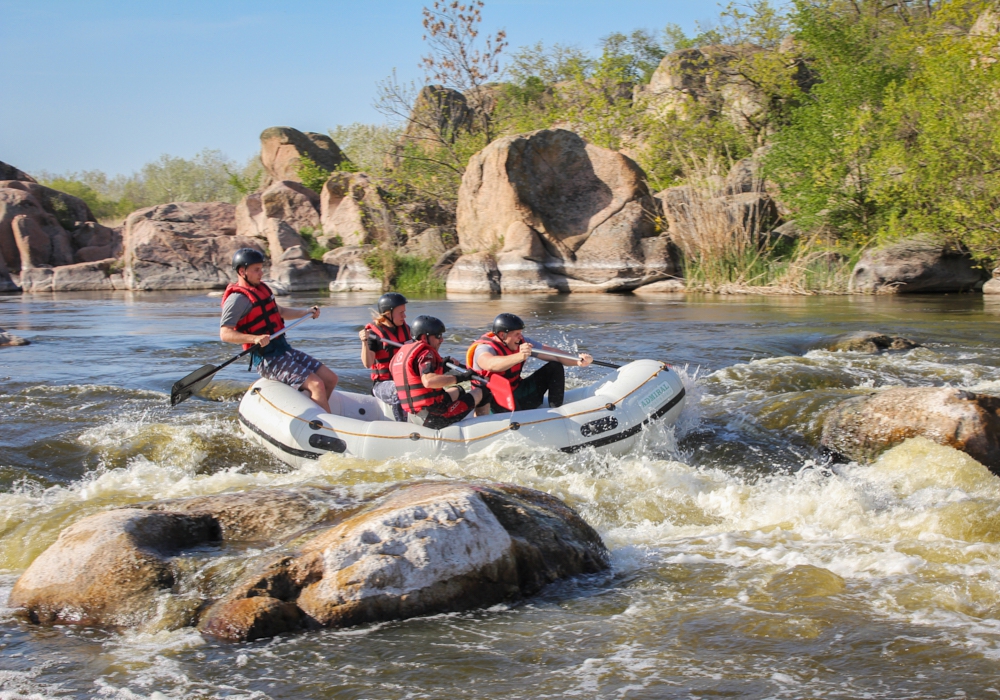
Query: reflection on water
[[744, 565]]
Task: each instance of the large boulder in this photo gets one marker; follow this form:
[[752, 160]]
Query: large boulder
[[476, 273], [867, 342], [108, 569], [420, 549], [558, 212], [277, 214], [182, 245], [438, 114], [424, 549], [353, 209], [862, 427], [40, 232], [353, 273], [915, 265], [299, 274], [282, 147], [99, 275]]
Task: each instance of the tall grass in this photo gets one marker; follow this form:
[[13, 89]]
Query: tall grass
[[726, 251]]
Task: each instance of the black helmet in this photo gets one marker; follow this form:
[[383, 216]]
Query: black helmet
[[504, 323], [246, 256], [426, 325], [389, 301]]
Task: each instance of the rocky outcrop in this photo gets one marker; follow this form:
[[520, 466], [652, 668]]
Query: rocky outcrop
[[182, 245], [868, 342], [42, 228], [299, 274], [438, 113], [862, 427], [992, 286], [420, 549], [277, 214], [353, 210], [282, 147], [557, 214], [352, 272], [100, 275], [475, 273], [915, 265]]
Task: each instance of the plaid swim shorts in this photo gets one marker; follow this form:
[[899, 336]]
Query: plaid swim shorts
[[290, 367]]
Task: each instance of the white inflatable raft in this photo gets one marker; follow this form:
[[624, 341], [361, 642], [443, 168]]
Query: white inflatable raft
[[606, 415]]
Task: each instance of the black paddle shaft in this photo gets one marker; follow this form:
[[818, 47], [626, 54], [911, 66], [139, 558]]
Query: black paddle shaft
[[200, 378]]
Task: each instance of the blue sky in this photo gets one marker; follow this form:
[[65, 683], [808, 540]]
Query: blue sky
[[111, 84]]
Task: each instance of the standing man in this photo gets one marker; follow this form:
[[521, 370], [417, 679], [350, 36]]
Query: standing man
[[505, 350], [424, 389], [250, 315]]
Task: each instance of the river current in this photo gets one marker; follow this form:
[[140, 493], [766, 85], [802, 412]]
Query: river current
[[744, 564]]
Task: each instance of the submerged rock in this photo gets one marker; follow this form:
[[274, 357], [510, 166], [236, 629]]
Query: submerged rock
[[868, 342], [11, 340], [863, 427], [420, 549]]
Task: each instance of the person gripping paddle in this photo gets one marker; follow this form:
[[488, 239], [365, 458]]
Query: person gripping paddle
[[251, 317]]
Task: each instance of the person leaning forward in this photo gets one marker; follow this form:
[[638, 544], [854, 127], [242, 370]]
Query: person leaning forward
[[389, 324], [505, 350], [250, 316], [423, 387]]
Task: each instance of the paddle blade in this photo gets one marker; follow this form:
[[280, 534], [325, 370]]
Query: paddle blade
[[191, 384], [502, 394]]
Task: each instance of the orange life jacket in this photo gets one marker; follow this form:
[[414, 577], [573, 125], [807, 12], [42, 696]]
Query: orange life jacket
[[405, 370], [511, 374], [263, 316], [397, 334]]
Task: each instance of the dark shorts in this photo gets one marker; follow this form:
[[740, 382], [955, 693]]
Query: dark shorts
[[290, 367], [549, 379], [443, 414]]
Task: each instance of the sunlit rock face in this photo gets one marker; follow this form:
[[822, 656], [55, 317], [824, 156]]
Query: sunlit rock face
[[915, 265], [863, 427], [556, 213], [419, 549]]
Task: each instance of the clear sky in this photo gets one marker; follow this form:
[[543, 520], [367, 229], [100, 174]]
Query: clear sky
[[113, 84]]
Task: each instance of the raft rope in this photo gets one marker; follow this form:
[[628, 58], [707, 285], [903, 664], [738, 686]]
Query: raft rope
[[610, 406]]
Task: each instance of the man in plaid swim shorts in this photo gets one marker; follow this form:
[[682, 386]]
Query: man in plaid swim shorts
[[250, 315]]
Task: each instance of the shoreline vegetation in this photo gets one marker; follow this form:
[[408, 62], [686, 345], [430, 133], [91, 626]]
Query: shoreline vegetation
[[856, 126]]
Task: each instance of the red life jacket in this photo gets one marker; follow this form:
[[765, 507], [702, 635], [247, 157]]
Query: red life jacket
[[397, 334], [405, 369], [511, 374], [263, 316]]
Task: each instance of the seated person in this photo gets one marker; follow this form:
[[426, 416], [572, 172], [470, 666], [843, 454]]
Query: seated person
[[423, 387], [505, 350], [250, 315], [389, 324]]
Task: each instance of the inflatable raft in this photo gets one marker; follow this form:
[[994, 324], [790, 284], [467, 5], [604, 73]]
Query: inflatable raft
[[606, 415]]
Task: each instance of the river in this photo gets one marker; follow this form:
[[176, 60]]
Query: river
[[744, 565]]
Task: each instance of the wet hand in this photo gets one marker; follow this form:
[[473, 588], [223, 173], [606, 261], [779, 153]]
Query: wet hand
[[363, 335], [525, 350], [262, 340], [584, 360], [315, 311]]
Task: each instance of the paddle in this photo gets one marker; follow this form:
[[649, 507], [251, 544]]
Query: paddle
[[201, 377], [559, 355], [498, 386]]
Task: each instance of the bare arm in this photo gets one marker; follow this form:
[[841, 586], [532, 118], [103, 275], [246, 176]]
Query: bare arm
[[228, 334], [496, 363], [581, 361], [438, 381], [367, 356], [290, 314]]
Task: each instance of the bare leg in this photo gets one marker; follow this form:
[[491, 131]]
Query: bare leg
[[329, 378], [317, 390]]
